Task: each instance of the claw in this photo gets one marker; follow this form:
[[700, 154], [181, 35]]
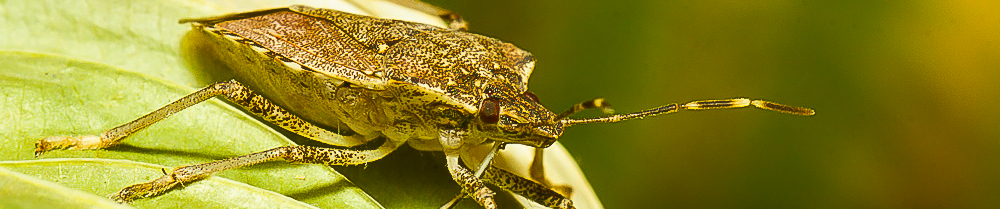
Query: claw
[[41, 147], [131, 193], [122, 197], [145, 190], [565, 204], [51, 143]]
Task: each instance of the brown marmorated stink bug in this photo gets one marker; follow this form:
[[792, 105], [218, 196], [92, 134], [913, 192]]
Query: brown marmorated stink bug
[[436, 89]]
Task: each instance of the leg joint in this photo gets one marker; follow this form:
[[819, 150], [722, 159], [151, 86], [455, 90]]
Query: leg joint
[[229, 88]]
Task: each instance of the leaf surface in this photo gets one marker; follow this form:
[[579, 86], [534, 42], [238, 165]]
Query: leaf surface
[[107, 176], [50, 95], [25, 191]]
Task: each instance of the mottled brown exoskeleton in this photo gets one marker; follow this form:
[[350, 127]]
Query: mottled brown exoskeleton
[[435, 89]]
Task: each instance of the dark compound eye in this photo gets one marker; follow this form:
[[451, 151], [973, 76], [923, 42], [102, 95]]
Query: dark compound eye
[[489, 110], [531, 96]]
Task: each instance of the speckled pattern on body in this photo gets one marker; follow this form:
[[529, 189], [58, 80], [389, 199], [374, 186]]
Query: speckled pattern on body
[[346, 80]]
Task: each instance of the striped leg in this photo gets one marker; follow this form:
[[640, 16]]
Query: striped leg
[[470, 184], [233, 91], [451, 142], [485, 163], [295, 154], [526, 188]]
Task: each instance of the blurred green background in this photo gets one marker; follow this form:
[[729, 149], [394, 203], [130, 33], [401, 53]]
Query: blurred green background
[[905, 94]]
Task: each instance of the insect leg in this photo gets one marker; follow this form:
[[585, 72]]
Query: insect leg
[[479, 173], [234, 91], [295, 154], [470, 183], [115, 135], [260, 106], [455, 21], [452, 144], [526, 188]]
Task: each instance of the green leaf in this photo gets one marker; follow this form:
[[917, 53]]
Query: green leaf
[[52, 96], [139, 36], [25, 191], [103, 176]]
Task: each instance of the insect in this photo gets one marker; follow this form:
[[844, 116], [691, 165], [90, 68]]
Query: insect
[[350, 80]]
